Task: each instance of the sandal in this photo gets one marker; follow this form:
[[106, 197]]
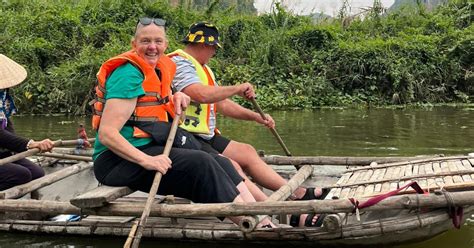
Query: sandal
[[309, 194], [308, 222]]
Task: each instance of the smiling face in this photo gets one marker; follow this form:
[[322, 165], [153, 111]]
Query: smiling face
[[150, 42]]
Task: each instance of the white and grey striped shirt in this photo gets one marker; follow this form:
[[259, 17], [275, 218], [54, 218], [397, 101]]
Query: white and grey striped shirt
[[186, 75]]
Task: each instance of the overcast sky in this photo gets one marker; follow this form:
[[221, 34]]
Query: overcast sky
[[330, 7]]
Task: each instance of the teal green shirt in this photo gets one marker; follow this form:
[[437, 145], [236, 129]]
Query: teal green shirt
[[124, 83]]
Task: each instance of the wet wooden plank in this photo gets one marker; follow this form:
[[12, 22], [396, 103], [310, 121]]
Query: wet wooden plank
[[439, 182], [377, 188], [394, 185], [462, 166], [466, 164], [355, 176], [344, 178], [385, 187], [336, 192], [100, 196], [422, 170], [444, 166], [416, 167], [401, 174], [396, 177], [429, 168], [382, 174], [352, 192], [471, 160], [408, 170], [396, 172], [423, 183], [431, 183], [436, 167], [459, 165], [466, 178], [359, 191], [376, 174], [448, 180], [368, 174], [389, 173], [369, 190], [454, 167], [344, 193]]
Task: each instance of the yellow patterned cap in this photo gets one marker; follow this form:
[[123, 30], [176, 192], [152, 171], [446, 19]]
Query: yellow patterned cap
[[203, 32]]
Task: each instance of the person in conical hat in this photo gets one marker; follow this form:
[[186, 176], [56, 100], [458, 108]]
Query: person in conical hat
[[23, 170]]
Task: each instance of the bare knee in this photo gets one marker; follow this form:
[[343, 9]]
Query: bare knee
[[237, 167], [248, 149]]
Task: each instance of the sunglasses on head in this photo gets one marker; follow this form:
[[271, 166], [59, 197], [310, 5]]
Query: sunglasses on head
[[147, 21]]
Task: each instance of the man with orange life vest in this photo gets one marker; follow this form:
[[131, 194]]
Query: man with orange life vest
[[135, 87], [196, 79]]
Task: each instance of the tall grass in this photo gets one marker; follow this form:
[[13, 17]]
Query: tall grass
[[410, 56]]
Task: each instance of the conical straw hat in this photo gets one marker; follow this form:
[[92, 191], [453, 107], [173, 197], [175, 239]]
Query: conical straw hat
[[11, 73]]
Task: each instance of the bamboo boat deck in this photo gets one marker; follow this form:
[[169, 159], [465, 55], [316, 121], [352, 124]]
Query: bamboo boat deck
[[439, 173], [400, 219]]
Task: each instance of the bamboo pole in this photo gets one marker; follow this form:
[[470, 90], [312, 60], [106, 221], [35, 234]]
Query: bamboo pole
[[136, 232], [66, 156], [334, 160], [74, 151], [409, 202], [248, 223], [34, 151], [294, 160], [423, 160], [273, 130], [21, 190]]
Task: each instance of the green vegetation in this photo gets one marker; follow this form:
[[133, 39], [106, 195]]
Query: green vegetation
[[407, 56]]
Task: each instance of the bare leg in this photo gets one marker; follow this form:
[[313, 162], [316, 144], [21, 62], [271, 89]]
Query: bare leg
[[246, 196], [246, 156], [256, 192]]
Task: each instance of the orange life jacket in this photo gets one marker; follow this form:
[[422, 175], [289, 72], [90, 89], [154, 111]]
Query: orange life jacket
[[155, 105]]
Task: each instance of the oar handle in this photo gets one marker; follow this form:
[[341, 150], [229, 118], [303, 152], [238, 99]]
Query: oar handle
[[273, 130], [136, 231], [34, 151]]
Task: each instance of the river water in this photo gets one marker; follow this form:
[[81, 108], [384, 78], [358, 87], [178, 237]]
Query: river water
[[331, 132]]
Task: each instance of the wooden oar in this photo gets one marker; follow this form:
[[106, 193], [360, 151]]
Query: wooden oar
[[274, 132], [136, 231], [66, 156], [34, 151]]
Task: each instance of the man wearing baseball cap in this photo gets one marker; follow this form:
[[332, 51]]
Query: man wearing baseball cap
[[196, 79]]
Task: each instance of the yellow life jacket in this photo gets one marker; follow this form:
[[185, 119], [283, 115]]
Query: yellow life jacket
[[155, 105], [198, 114]]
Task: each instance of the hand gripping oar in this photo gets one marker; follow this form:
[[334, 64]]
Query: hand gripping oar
[[274, 132], [34, 151], [136, 231]]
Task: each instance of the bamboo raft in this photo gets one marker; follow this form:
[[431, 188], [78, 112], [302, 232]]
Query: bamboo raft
[[70, 188]]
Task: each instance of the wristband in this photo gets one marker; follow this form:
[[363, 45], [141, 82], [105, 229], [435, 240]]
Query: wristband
[[28, 144]]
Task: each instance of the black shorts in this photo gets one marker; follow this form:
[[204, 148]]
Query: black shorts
[[216, 145], [195, 175]]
